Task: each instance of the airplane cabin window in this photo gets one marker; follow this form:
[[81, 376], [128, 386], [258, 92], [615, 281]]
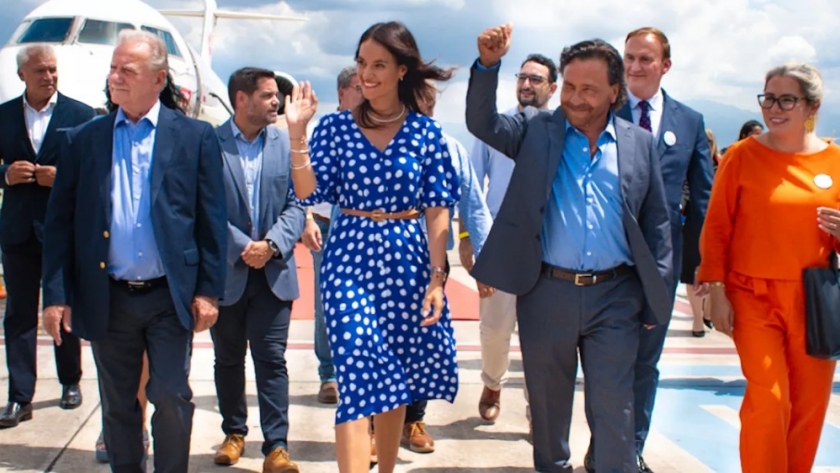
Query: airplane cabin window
[[167, 38], [47, 30], [102, 32]]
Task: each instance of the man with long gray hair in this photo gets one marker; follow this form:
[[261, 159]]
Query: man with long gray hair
[[135, 247], [31, 129]]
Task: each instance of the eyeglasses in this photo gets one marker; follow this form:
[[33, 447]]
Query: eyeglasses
[[786, 102], [535, 79]]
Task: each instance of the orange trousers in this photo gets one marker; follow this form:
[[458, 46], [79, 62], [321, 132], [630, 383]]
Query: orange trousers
[[787, 391]]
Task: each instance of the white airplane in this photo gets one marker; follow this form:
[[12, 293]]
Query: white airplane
[[84, 33]]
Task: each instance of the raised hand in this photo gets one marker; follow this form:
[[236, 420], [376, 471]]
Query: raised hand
[[493, 43], [301, 105]]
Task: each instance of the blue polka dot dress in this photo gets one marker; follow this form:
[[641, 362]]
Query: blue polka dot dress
[[374, 274]]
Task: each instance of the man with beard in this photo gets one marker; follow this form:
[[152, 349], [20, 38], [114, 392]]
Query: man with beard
[[264, 224], [582, 238], [536, 83]]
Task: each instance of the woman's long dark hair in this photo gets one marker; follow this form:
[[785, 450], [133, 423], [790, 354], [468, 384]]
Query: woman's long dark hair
[[168, 97], [396, 38]]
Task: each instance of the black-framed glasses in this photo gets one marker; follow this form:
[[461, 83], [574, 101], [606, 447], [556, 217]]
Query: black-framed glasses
[[786, 102], [533, 78]]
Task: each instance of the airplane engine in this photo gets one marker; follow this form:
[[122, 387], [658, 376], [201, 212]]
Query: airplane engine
[[285, 82]]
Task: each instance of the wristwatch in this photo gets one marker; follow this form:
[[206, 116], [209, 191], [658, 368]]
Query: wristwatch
[[274, 248]]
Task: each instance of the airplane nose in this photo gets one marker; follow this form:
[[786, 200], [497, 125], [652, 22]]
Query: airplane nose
[[10, 84]]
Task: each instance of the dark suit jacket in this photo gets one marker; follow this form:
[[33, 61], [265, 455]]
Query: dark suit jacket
[[281, 219], [188, 213], [24, 205], [512, 256], [687, 162]]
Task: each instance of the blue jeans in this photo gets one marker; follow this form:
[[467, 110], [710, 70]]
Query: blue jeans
[[326, 369]]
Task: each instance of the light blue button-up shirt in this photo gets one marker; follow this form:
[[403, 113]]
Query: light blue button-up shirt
[[473, 211], [133, 253], [494, 165], [251, 159], [582, 228]]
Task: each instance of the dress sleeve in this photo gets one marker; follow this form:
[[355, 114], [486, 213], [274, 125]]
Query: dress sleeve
[[326, 163], [440, 186]]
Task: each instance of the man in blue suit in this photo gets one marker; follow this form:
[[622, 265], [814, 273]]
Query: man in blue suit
[[31, 129], [135, 243], [582, 238], [684, 156], [264, 225]]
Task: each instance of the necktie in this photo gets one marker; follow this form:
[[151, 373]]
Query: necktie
[[644, 119]]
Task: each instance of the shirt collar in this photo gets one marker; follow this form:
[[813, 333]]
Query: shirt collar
[[152, 116], [609, 130], [655, 101], [50, 104], [237, 133]]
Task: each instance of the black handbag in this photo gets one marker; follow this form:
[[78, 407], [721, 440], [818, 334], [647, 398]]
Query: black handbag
[[822, 310]]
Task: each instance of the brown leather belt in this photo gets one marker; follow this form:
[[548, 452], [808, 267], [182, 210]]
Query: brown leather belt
[[320, 218], [585, 278], [378, 215]]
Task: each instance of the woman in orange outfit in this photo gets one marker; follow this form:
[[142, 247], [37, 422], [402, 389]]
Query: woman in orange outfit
[[774, 212]]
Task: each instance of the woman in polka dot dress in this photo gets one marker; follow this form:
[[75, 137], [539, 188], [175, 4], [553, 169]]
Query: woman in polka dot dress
[[384, 164]]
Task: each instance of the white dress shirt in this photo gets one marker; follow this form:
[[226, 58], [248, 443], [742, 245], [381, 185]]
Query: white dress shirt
[[37, 121], [656, 106]]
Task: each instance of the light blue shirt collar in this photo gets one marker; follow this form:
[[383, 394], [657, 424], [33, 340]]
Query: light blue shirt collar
[[152, 116], [237, 133], [609, 130]]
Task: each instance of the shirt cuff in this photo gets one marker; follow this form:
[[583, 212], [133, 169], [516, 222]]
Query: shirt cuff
[[491, 68], [6, 178]]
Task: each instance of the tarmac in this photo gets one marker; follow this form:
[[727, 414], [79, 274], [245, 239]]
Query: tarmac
[[695, 426]]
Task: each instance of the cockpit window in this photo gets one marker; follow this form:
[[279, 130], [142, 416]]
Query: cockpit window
[[167, 38], [102, 32], [46, 30]]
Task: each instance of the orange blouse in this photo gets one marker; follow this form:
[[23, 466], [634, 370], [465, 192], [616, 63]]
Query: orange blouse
[[762, 217]]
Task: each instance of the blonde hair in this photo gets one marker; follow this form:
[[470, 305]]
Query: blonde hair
[[808, 77], [715, 152]]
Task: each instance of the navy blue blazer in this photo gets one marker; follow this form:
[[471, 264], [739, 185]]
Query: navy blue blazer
[[24, 205], [511, 259], [188, 214], [281, 218], [687, 160]]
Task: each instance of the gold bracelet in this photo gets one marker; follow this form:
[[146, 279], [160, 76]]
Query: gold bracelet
[[302, 166], [310, 216], [301, 151], [463, 235], [716, 284]]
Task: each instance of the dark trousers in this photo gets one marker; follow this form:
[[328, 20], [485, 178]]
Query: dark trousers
[[556, 319], [145, 321], [651, 344], [261, 319], [22, 274]]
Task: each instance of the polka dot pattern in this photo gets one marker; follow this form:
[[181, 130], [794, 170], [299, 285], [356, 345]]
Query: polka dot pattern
[[375, 274]]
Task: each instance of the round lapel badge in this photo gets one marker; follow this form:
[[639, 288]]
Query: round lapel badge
[[670, 138], [823, 181]]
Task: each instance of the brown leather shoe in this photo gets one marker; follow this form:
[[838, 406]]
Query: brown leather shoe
[[328, 393], [416, 439], [232, 448], [489, 406], [278, 462]]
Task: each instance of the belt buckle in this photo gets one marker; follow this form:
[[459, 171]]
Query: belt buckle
[[579, 279], [377, 215], [136, 284]]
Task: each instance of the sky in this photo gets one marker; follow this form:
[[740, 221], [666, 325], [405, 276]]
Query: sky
[[721, 49]]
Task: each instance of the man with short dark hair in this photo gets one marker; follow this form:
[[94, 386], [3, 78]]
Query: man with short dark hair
[[583, 240], [264, 224], [535, 85], [135, 246], [685, 159], [31, 129]]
